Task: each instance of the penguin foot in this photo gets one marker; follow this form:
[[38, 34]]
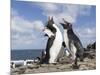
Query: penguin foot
[[54, 63], [75, 66]]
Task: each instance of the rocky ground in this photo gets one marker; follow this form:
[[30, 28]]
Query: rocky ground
[[88, 64], [63, 66]]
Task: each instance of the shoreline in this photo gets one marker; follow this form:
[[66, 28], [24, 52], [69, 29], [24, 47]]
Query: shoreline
[[88, 64], [64, 65]]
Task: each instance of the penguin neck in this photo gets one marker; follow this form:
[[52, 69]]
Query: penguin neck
[[57, 29], [58, 32], [55, 26], [70, 31]]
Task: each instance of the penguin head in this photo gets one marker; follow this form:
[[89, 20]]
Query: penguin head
[[48, 32], [66, 24], [49, 29]]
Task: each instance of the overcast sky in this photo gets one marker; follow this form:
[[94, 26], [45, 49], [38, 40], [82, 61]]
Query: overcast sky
[[29, 18]]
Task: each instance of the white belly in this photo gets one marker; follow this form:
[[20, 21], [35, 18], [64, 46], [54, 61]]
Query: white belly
[[66, 40], [56, 47], [73, 50]]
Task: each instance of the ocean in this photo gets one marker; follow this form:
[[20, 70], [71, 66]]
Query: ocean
[[25, 54]]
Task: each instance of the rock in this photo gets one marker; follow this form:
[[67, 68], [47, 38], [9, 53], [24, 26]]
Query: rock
[[92, 46], [64, 60], [29, 71], [32, 66], [64, 66], [87, 60], [15, 73], [52, 69], [19, 70], [92, 66], [15, 70], [45, 65], [83, 67]]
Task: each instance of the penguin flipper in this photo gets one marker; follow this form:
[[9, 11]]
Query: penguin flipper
[[63, 44]]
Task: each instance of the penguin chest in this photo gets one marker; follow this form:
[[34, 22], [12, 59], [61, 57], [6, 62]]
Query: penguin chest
[[66, 39], [56, 47]]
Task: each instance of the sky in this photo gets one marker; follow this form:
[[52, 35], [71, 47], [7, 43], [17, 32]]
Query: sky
[[29, 18]]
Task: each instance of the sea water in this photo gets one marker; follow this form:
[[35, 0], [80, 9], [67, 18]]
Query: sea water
[[25, 54]]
